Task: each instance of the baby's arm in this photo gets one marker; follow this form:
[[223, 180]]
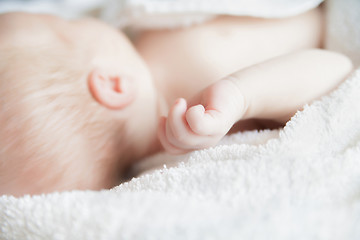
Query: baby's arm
[[274, 89]]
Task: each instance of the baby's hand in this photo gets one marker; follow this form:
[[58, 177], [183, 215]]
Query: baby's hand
[[204, 124]]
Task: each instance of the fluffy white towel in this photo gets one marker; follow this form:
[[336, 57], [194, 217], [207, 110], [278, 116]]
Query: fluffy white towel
[[302, 182]]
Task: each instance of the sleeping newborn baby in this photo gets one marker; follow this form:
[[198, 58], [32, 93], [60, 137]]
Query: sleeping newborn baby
[[79, 103]]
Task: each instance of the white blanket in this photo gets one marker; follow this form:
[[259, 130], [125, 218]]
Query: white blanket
[[302, 182]]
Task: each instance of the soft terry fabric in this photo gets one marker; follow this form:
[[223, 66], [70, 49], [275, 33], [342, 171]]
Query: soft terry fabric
[[142, 14], [303, 184]]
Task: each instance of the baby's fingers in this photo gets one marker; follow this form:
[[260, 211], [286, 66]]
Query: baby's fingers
[[164, 140], [178, 132], [176, 124], [206, 122]]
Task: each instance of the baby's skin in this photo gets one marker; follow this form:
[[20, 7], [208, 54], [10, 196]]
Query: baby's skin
[[238, 68], [175, 90]]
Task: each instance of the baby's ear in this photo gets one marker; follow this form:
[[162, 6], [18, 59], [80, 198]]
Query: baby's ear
[[112, 91]]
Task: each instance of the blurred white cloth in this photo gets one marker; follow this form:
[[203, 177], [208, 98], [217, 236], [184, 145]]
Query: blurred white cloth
[[341, 34], [63, 8], [141, 14]]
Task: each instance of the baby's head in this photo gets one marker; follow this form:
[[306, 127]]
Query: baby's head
[[74, 97]]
